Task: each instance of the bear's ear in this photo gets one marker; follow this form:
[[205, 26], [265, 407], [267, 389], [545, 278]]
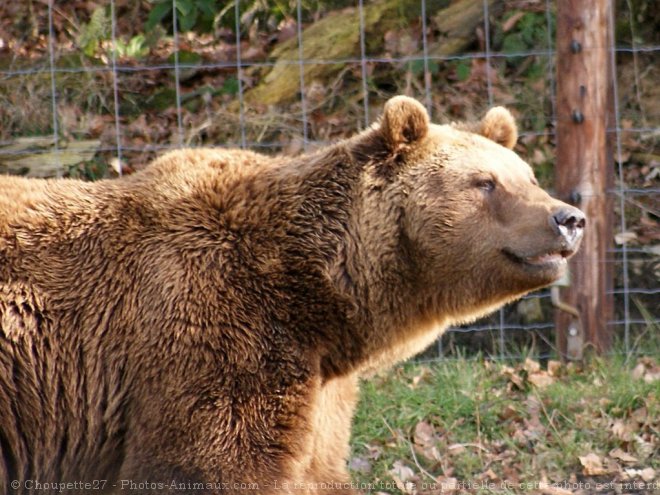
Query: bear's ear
[[405, 121], [499, 125]]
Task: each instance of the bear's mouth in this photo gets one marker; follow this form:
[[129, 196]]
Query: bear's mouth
[[552, 260]]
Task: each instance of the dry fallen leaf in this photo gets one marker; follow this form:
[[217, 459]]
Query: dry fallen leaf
[[623, 456], [360, 465], [448, 484], [424, 433], [509, 412], [638, 371], [622, 430], [407, 487], [531, 366], [640, 415], [592, 465], [554, 368], [647, 474], [401, 471], [643, 448], [541, 379], [513, 376], [490, 474], [456, 448], [548, 489], [426, 441], [647, 369]]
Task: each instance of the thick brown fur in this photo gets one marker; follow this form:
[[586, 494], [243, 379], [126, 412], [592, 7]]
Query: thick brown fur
[[206, 320]]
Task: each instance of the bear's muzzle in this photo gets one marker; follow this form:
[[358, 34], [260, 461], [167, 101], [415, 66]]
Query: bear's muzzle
[[569, 223]]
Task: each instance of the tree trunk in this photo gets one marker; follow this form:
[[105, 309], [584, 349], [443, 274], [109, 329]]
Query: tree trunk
[[584, 169]]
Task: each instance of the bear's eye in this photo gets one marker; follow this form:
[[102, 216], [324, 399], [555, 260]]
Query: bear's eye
[[487, 185]]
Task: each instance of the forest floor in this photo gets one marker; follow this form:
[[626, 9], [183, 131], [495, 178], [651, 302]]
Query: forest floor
[[482, 427]]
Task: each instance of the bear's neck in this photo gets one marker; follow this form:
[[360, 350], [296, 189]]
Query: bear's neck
[[346, 251], [316, 198]]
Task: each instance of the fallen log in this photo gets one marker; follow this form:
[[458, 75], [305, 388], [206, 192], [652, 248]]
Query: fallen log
[[336, 37], [37, 157]]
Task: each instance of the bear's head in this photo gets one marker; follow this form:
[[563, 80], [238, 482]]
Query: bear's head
[[473, 223]]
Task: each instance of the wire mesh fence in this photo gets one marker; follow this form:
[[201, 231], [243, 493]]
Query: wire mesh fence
[[84, 92]]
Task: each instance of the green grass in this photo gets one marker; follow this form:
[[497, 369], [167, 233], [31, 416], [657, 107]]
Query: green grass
[[491, 426]]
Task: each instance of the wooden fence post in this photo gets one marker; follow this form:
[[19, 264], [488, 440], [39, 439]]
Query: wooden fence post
[[584, 168]]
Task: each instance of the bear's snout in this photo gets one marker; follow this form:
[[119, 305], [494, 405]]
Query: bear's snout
[[569, 223]]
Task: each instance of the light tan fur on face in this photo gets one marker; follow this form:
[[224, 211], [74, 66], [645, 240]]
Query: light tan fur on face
[[207, 320]]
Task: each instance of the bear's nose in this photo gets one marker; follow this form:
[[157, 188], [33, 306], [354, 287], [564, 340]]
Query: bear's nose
[[569, 223]]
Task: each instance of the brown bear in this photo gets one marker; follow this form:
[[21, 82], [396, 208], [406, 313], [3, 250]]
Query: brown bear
[[201, 325]]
